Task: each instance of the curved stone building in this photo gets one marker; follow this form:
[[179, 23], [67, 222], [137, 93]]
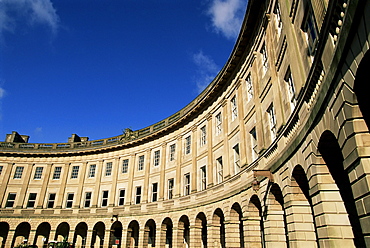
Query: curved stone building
[[275, 152]]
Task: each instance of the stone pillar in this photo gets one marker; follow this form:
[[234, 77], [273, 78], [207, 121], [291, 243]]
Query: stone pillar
[[331, 217], [9, 239], [4, 182], [46, 179], [63, 183], [107, 238], [113, 193], [142, 236], [162, 180], [252, 232], [232, 234], [274, 227], [22, 198], [214, 235], [301, 229], [179, 162], [194, 142], [81, 184], [131, 171], [177, 240], [95, 196], [88, 238], [225, 131], [360, 193], [124, 238], [243, 138], [32, 237], [178, 184], [160, 240], [209, 150], [52, 235], [146, 185], [195, 236]]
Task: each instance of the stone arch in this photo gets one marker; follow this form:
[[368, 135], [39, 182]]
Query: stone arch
[[234, 232], [115, 237], [21, 234], [42, 234], [253, 226], [183, 237], [275, 228], [62, 231], [166, 233], [97, 239], [217, 229], [79, 237], [133, 234], [361, 87], [299, 209], [4, 230], [332, 155], [149, 233], [200, 231]]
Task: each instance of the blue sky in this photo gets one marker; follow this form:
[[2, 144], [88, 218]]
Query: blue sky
[[96, 67]]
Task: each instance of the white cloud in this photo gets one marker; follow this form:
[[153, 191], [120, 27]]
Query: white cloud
[[38, 130], [227, 16], [33, 11], [207, 70], [2, 93]]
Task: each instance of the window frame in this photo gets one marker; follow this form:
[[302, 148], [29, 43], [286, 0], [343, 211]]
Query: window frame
[[264, 60], [187, 184], [310, 29], [249, 84], [237, 166], [31, 200], [220, 170], [92, 170], [218, 124], [203, 177], [121, 199], [104, 198], [172, 152], [140, 165], [253, 137], [57, 172], [188, 144], [203, 136], [125, 166], [38, 173], [234, 108], [87, 200], [108, 169], [272, 121], [170, 187], [10, 200], [138, 193], [288, 78], [75, 170], [157, 158], [51, 202], [69, 200], [278, 19], [154, 192], [18, 172]]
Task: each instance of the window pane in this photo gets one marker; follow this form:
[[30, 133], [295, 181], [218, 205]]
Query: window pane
[[18, 172], [57, 172], [75, 170], [38, 173]]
